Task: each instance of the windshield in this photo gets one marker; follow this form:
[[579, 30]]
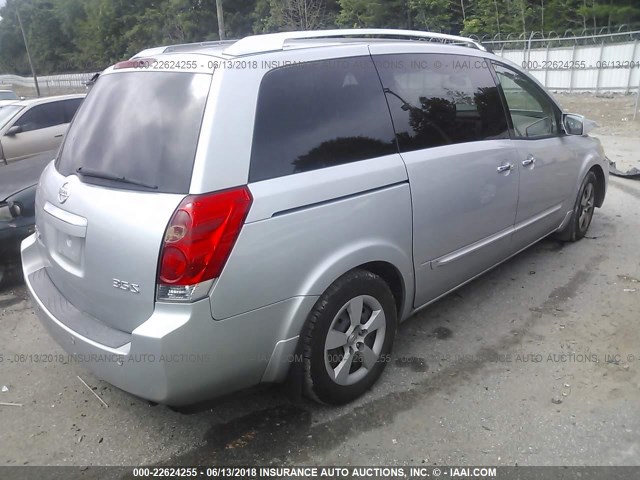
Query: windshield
[[6, 95], [7, 113], [141, 126]]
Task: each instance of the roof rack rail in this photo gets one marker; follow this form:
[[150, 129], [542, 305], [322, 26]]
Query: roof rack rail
[[277, 41]]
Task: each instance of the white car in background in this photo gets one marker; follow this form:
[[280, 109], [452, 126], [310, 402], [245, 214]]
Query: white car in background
[[8, 96], [29, 127]]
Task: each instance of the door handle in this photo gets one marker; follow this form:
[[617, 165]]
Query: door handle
[[58, 136], [531, 160], [505, 168]]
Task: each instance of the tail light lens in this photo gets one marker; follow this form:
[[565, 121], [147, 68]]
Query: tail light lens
[[198, 241]]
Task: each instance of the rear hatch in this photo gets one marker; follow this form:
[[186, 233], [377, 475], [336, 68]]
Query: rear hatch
[[124, 168]]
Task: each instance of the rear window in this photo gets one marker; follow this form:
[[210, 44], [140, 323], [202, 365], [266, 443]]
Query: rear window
[[143, 126], [320, 114]]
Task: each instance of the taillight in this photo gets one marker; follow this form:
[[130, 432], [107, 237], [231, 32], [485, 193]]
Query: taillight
[[198, 241]]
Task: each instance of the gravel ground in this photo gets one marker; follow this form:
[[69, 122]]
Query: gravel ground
[[614, 115], [612, 112], [535, 363]]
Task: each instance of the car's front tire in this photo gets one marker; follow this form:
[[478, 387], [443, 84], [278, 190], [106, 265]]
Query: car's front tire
[[582, 211], [348, 338]]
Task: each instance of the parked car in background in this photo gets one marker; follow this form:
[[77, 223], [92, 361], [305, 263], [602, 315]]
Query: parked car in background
[[241, 225], [8, 96], [17, 196], [29, 127]]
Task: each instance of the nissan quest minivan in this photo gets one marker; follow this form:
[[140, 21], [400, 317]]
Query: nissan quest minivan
[[227, 214]]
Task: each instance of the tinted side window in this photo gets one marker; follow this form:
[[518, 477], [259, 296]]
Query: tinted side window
[[441, 99], [70, 107], [533, 114], [42, 116], [319, 114]]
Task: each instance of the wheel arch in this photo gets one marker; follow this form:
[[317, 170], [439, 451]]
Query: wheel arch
[[389, 261], [392, 277]]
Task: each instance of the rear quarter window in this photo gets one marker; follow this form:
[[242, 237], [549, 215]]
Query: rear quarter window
[[319, 114], [441, 100]]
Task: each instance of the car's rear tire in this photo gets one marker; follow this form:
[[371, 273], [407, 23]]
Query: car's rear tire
[[582, 211], [348, 338]]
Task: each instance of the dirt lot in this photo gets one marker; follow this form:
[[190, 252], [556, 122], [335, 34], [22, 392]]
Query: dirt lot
[[535, 363], [612, 112], [614, 115]]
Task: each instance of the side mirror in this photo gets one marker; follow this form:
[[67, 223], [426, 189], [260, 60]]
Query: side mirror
[[15, 209], [16, 129], [9, 211], [23, 98], [573, 124], [577, 124]]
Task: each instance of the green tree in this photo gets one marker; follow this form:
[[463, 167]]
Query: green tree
[[278, 15], [12, 54], [82, 35], [433, 15], [375, 13]]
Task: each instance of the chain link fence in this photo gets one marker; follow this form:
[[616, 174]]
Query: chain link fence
[[600, 63], [588, 36], [49, 84]]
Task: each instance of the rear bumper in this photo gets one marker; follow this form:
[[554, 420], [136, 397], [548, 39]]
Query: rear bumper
[[180, 355]]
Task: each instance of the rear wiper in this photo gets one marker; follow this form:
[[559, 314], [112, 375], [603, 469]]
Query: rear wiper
[[87, 172]]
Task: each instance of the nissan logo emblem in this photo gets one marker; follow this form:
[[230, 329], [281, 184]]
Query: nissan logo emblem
[[63, 193]]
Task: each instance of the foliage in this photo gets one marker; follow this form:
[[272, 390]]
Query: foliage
[[81, 35]]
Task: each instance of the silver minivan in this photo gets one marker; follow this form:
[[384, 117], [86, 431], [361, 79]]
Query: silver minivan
[[227, 214]]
